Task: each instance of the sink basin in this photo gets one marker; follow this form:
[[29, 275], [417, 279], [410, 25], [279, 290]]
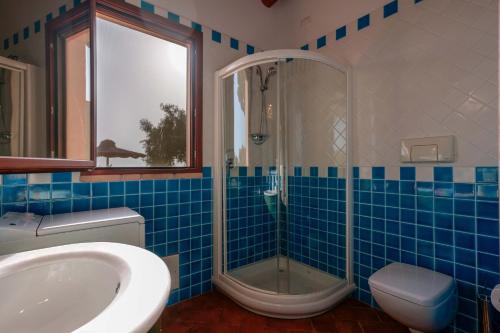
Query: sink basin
[[85, 287]]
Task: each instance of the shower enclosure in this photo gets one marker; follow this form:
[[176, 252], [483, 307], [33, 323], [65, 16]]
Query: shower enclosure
[[281, 174]]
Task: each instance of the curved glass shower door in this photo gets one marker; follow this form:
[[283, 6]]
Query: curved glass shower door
[[285, 157]]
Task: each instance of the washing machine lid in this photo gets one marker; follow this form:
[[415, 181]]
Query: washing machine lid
[[54, 224], [414, 284]]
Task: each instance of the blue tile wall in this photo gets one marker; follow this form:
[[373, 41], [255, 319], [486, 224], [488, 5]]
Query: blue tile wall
[[316, 217], [314, 233], [446, 226], [178, 214], [251, 223]]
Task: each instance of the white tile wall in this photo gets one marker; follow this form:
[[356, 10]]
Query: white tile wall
[[429, 70]]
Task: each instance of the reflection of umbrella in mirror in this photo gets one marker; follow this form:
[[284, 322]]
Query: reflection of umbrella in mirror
[[107, 148]]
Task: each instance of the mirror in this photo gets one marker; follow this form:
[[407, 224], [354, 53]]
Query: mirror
[[45, 82]]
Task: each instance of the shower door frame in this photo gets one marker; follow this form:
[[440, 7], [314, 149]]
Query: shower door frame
[[274, 304]]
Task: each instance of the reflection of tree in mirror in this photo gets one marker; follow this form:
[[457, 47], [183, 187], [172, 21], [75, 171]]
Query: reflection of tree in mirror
[[165, 144]]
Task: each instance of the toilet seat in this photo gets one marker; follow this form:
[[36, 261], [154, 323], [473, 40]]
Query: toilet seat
[[421, 299], [413, 284]]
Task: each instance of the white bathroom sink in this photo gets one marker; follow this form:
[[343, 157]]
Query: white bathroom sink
[[85, 287]]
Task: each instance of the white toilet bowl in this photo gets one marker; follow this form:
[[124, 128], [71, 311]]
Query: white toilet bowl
[[421, 299]]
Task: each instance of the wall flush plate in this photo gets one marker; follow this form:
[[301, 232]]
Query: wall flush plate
[[437, 149], [173, 266]]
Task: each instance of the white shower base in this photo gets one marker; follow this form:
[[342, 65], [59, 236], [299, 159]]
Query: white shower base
[[260, 288], [299, 279]]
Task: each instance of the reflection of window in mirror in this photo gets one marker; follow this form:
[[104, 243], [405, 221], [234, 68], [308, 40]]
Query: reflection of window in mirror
[[148, 89], [70, 85], [73, 121], [45, 95]]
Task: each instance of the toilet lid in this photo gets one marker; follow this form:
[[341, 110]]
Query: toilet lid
[[414, 284]]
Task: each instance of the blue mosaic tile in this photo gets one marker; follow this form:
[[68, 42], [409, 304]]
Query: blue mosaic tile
[[363, 21], [250, 49], [61, 177], [341, 33], [147, 6], [407, 173], [443, 174], [321, 42], [26, 33], [487, 174], [15, 179], [81, 190], [173, 17], [37, 26], [196, 26], [234, 43], [391, 8], [216, 36], [378, 172]]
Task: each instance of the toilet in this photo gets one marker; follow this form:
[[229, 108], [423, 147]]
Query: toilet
[[421, 299]]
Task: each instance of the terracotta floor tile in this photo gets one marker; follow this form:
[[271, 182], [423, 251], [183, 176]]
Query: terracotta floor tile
[[251, 329], [297, 324], [392, 327], [216, 313], [174, 326], [342, 312], [351, 302], [324, 323], [220, 328], [204, 315], [347, 326]]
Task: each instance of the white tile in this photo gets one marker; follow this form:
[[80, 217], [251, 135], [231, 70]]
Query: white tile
[[487, 46], [75, 177], [454, 98], [488, 69], [464, 174], [39, 178], [323, 171], [392, 173], [341, 173], [365, 172], [134, 2], [424, 173], [470, 107], [486, 93]]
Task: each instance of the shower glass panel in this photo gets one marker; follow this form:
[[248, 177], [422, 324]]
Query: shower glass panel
[[285, 156]]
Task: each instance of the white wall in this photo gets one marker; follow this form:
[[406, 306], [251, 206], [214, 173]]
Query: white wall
[[308, 20], [429, 70]]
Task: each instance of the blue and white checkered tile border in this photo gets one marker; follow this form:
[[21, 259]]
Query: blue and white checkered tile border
[[364, 21], [216, 36]]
